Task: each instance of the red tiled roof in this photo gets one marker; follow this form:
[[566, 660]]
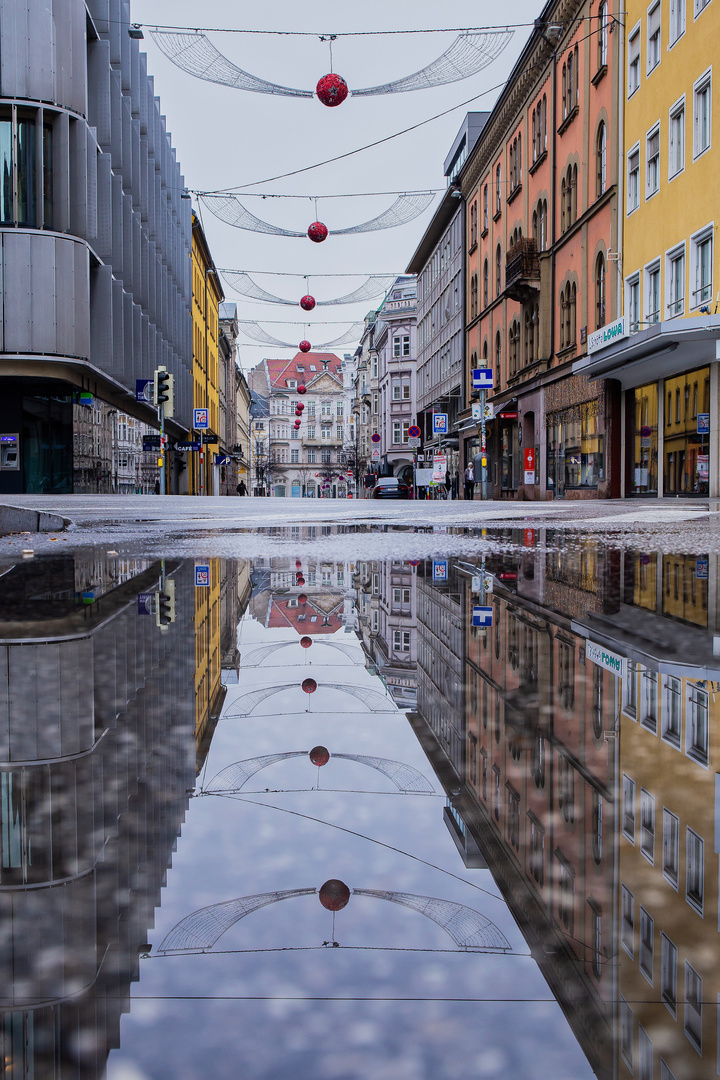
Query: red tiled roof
[[281, 615], [282, 370]]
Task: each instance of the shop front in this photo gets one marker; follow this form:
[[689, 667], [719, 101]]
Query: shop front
[[578, 415], [669, 379]]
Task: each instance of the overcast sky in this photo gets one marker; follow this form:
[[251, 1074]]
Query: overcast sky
[[226, 137]]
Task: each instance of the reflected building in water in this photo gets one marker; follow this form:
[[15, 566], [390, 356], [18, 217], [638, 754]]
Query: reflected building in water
[[387, 624], [97, 758], [575, 738]]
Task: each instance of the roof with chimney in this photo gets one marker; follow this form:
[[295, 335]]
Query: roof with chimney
[[303, 368]]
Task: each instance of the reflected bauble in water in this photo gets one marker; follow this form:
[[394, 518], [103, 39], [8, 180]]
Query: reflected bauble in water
[[306, 641], [309, 686]]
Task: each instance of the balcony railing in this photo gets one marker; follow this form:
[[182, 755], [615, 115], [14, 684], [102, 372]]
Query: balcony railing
[[522, 270]]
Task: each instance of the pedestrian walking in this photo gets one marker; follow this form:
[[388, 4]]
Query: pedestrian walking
[[241, 488], [469, 482]]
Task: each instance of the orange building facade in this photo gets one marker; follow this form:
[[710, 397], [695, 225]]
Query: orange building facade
[[541, 190]]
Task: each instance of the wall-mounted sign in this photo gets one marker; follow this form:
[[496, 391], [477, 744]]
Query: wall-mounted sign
[[603, 658], [440, 423], [606, 335], [440, 570], [482, 616], [202, 575]]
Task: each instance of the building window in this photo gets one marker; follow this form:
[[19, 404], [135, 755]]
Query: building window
[[647, 944], [600, 318], [597, 827], [672, 705], [485, 208], [498, 188], [325, 457], [486, 275], [694, 870], [633, 179], [405, 430], [602, 42], [668, 973], [671, 847], [597, 946], [626, 1032], [652, 293], [498, 356], [498, 270], [649, 700], [676, 141], [693, 1006], [677, 20], [647, 825], [473, 224], [702, 114], [566, 895], [311, 457], [700, 5], [396, 391], [537, 850], [652, 162], [401, 345], [632, 292], [513, 818], [701, 256], [645, 1055], [401, 641], [397, 432], [26, 168], [601, 159], [696, 724], [473, 296], [627, 934], [653, 37], [294, 457], [633, 79], [628, 808], [675, 282]]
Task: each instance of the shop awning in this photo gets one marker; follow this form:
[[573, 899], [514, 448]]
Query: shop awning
[[658, 351]]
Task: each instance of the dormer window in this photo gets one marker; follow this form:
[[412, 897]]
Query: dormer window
[[291, 384], [300, 369], [313, 367]]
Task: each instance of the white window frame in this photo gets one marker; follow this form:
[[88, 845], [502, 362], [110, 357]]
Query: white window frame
[[633, 62], [646, 945], [649, 687], [648, 277], [697, 743], [397, 433], [632, 289], [674, 307], [695, 854], [704, 83], [692, 1019], [655, 171], [671, 686], [700, 6], [633, 186], [645, 1055], [696, 241], [668, 973], [676, 23], [647, 825], [626, 1032], [671, 827], [628, 808], [627, 921], [676, 113], [654, 51]]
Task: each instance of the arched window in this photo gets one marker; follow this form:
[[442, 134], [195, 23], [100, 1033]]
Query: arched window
[[534, 136], [513, 346], [485, 351], [485, 208], [601, 160], [536, 235], [473, 296], [563, 318], [602, 35], [572, 313], [563, 205], [473, 224], [545, 224], [577, 76], [486, 275], [498, 192], [498, 270], [498, 357], [564, 90], [518, 162], [574, 207], [529, 343], [600, 319], [544, 113]]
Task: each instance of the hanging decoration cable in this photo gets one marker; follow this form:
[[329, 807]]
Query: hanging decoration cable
[[375, 285], [255, 332], [193, 52], [406, 208]]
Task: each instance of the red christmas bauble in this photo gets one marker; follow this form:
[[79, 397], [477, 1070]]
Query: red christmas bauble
[[302, 389], [309, 686], [303, 597], [307, 303], [319, 755], [317, 232], [301, 405], [304, 346], [300, 580], [297, 424], [334, 895], [298, 564], [298, 411], [332, 90], [306, 641]]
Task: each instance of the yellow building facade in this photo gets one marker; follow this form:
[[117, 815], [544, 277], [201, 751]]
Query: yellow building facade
[[665, 353], [207, 296]]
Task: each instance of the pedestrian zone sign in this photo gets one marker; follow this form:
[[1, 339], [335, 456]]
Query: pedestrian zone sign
[[440, 423], [482, 616], [440, 570], [202, 575], [200, 419]]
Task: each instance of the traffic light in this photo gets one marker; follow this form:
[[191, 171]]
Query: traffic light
[[165, 605], [165, 390]]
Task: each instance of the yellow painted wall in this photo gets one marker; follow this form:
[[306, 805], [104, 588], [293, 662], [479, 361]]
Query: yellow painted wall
[[207, 650], [207, 295], [688, 202]]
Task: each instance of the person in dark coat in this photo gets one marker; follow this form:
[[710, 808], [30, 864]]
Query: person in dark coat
[[241, 488]]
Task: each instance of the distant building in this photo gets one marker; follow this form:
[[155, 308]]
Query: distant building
[[207, 295], [395, 343]]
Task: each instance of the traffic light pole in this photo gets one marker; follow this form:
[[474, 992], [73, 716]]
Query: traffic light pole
[[163, 455]]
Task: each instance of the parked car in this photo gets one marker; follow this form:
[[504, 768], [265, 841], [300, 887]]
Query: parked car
[[389, 487]]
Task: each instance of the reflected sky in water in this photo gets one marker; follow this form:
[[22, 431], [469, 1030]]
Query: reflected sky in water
[[560, 706]]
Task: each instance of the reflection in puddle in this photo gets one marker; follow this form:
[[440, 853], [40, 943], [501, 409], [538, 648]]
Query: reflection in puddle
[[516, 756]]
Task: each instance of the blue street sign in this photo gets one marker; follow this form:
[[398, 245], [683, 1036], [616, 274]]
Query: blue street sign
[[222, 459], [701, 569], [482, 616], [145, 603], [440, 570], [703, 423], [482, 378], [440, 423], [145, 390], [201, 419], [202, 575]]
